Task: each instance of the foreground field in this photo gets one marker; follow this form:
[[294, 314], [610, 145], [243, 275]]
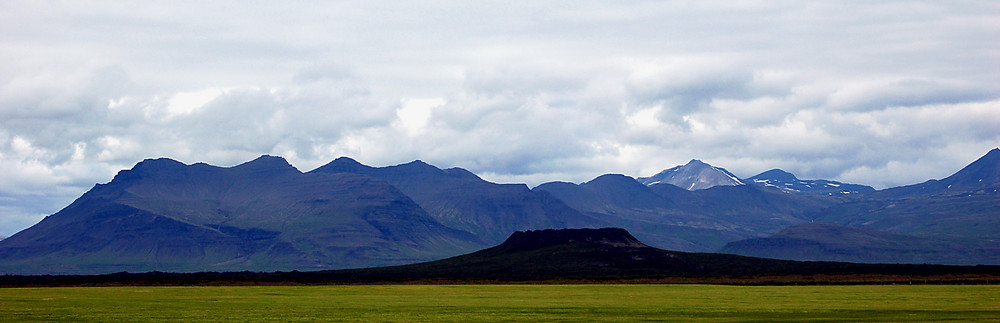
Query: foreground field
[[503, 303]]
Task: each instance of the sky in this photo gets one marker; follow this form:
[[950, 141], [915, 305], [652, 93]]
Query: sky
[[882, 93]]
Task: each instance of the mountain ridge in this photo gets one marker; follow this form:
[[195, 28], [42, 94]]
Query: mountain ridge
[[788, 182], [461, 200]]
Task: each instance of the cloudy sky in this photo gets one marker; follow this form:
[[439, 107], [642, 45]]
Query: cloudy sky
[[883, 93]]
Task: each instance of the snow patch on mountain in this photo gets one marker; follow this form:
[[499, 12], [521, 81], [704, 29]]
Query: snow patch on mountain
[[695, 175], [788, 183]]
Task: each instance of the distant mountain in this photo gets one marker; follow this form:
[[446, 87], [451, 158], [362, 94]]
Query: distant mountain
[[955, 220], [667, 216], [756, 211], [965, 204], [980, 177], [785, 181], [461, 200], [695, 175], [623, 201], [962, 215], [830, 242], [261, 215]]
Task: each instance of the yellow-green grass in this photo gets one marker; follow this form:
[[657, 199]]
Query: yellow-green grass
[[435, 303]]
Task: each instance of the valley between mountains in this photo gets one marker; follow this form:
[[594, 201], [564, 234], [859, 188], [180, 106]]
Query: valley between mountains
[[266, 215]]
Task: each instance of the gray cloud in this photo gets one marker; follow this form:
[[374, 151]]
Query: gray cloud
[[885, 94]]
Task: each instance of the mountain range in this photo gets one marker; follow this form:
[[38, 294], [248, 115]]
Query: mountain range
[[265, 215], [261, 215]]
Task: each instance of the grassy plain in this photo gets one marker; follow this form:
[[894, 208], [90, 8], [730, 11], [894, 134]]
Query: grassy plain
[[435, 303]]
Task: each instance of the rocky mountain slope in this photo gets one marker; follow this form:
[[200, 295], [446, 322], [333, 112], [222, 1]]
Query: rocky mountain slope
[[695, 175]]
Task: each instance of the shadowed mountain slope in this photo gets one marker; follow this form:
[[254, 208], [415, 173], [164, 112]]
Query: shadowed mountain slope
[[261, 215], [461, 200], [830, 242]]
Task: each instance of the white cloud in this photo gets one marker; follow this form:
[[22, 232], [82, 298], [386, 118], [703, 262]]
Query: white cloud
[[185, 103], [415, 113], [881, 93]]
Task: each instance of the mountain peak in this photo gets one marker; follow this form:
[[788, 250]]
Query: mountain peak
[[612, 179], [149, 167], [157, 163], [696, 162], [694, 175], [418, 166], [346, 161], [417, 163], [991, 159], [343, 165], [266, 162], [776, 174], [982, 173]]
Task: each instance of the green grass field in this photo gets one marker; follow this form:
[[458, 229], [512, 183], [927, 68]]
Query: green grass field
[[436, 303]]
